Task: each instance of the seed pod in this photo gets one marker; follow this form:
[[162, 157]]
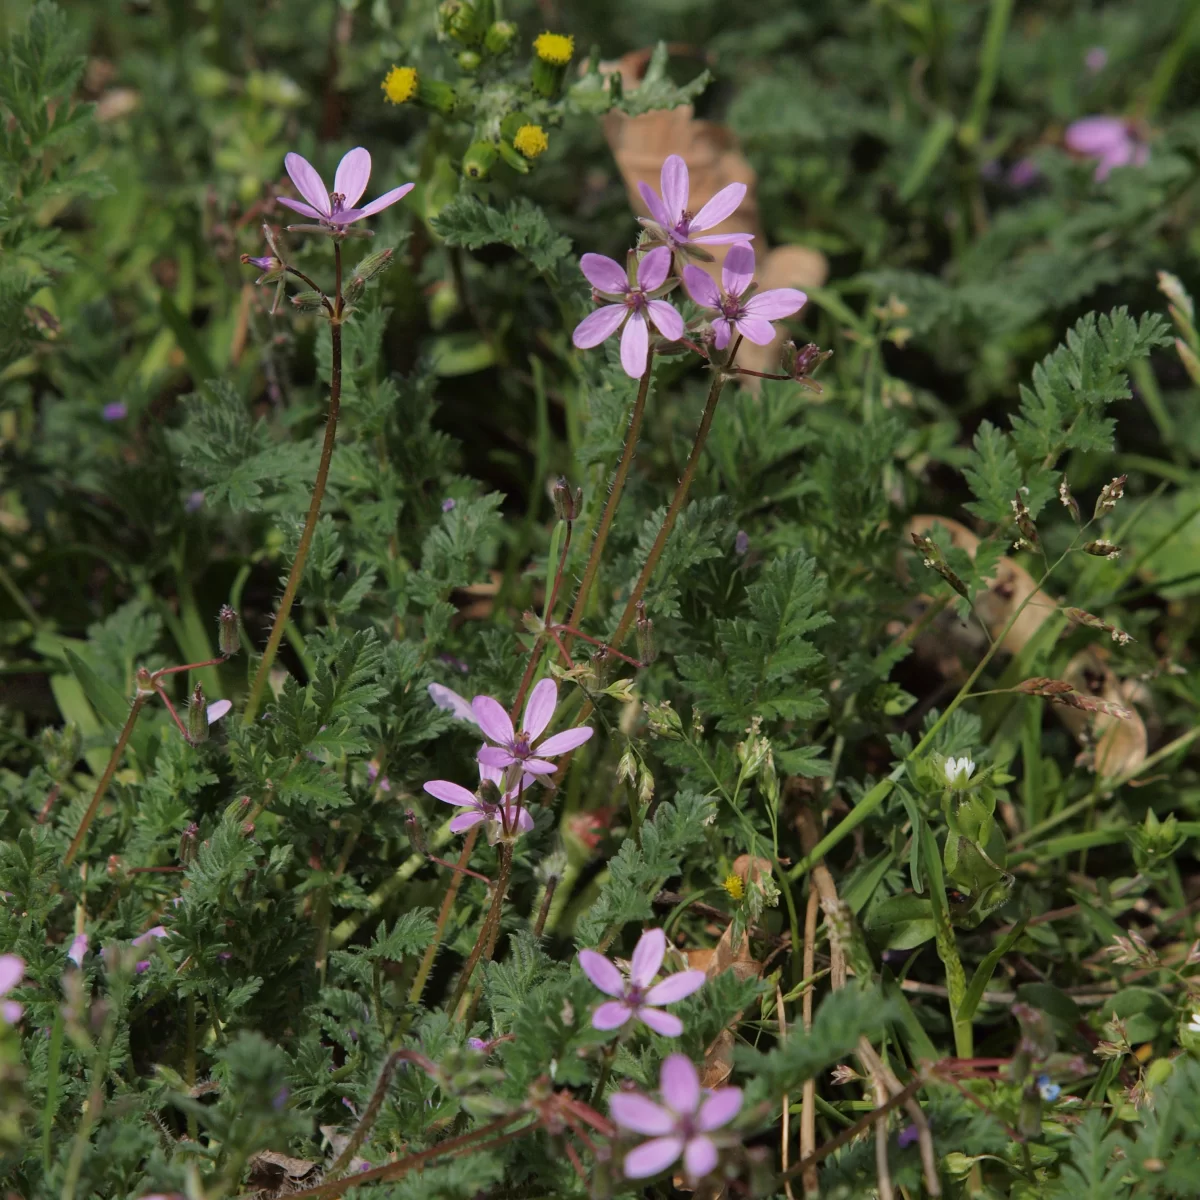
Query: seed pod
[[644, 629], [415, 834], [478, 160], [229, 640], [145, 682], [189, 843]]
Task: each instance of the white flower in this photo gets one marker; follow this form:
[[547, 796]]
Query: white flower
[[1193, 1026], [958, 771]]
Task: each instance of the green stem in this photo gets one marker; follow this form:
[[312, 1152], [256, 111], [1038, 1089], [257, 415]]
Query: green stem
[[676, 506], [314, 508], [614, 498], [106, 778], [989, 66], [1172, 59], [486, 936], [418, 985]]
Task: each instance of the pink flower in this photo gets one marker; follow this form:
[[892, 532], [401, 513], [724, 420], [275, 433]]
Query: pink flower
[[1111, 141], [79, 945], [671, 218], [1096, 59], [517, 747], [450, 701], [635, 997], [748, 315], [150, 935], [507, 816], [681, 1127], [12, 971], [336, 209], [636, 307]]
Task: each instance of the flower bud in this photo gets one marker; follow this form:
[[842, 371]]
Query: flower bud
[[415, 834], [1068, 501], [458, 19], [1102, 548], [229, 641], [144, 681], [802, 363], [478, 160], [499, 36], [197, 722], [469, 61], [566, 502], [189, 843], [1110, 493], [518, 162], [644, 629], [308, 301], [1029, 533], [271, 267]]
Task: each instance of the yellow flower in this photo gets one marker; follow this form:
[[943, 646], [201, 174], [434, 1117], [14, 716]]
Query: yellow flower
[[555, 48], [734, 885], [400, 84], [531, 141]]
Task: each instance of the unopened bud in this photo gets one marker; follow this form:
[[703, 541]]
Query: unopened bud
[[518, 162], [478, 160], [499, 36], [488, 792], [458, 19], [801, 363], [415, 834], [271, 267], [197, 722], [248, 829], [308, 301], [644, 629], [1191, 363], [374, 264], [229, 641], [114, 868], [1110, 493], [601, 665], [566, 502], [469, 61], [1102, 549], [189, 842], [144, 681]]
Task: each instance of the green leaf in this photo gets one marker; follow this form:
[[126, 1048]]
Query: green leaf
[[523, 226], [983, 973], [994, 475], [656, 89]]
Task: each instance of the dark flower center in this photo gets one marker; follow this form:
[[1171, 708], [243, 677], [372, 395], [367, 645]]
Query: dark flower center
[[635, 299], [521, 747], [337, 202], [684, 224], [731, 306]]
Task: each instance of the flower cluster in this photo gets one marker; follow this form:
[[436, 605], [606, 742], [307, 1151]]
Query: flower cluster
[[508, 762], [632, 297]]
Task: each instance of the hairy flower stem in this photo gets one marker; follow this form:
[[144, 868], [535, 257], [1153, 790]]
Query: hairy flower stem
[[106, 778], [535, 653], [486, 938], [422, 977], [614, 496], [314, 508], [677, 503]]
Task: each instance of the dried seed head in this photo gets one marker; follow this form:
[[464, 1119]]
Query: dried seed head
[[1110, 493], [229, 641], [647, 650], [1102, 548], [1069, 502], [566, 502]]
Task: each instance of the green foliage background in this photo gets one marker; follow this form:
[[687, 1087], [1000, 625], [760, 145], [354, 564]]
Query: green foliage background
[[990, 340]]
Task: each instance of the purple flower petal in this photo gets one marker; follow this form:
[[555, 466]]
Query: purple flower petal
[[721, 239], [653, 268], [756, 330], [496, 757], [701, 287], [635, 346], [217, 709], [631, 1110], [598, 325], [776, 303], [604, 274], [79, 944], [675, 187], [666, 320], [652, 1157], [602, 972], [560, 743], [115, 411], [1096, 135], [493, 720], [737, 272], [352, 174], [723, 205], [664, 1023], [537, 766], [11, 1012], [722, 332], [308, 183], [452, 793], [543, 700], [12, 971], [154, 933], [451, 701], [655, 205], [611, 1015], [679, 1084], [648, 955], [384, 201], [699, 1157], [676, 987], [304, 210], [719, 1109], [521, 820], [467, 820]]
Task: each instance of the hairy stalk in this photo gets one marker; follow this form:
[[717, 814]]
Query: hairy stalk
[[314, 508], [536, 652], [614, 496], [106, 778], [676, 506], [485, 940], [422, 977]]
